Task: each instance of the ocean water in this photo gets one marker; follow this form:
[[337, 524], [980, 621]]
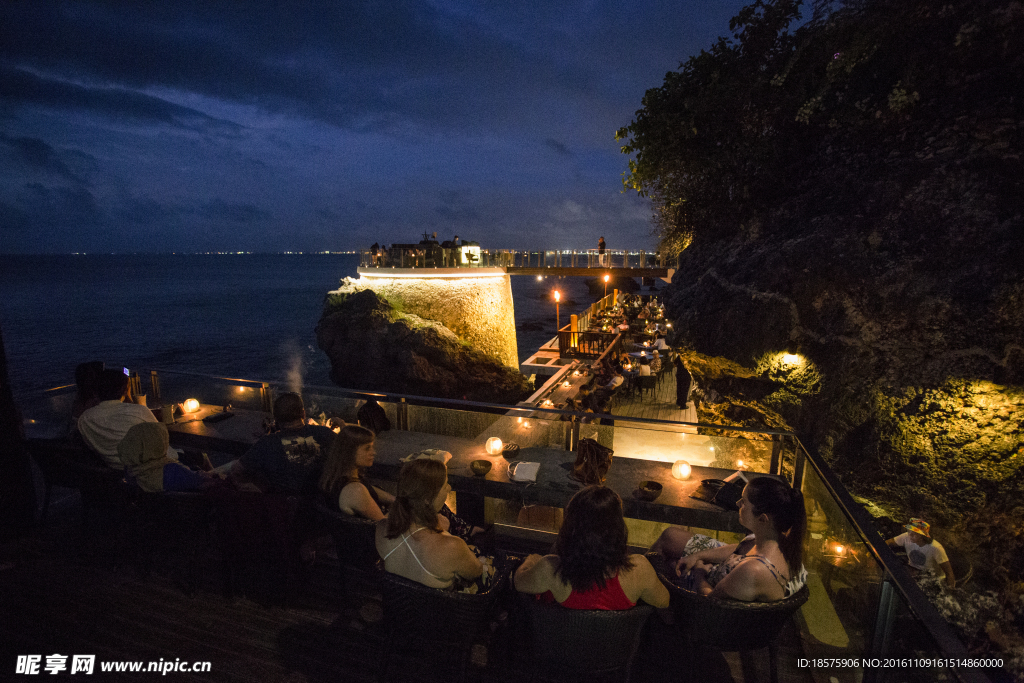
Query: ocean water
[[247, 315]]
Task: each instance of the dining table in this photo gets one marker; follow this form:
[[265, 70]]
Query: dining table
[[205, 429], [555, 485]]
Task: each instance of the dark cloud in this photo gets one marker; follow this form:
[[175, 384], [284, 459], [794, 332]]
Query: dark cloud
[[551, 143], [221, 211], [23, 87], [36, 155], [255, 125]]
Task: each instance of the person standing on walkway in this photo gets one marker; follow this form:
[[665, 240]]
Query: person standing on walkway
[[600, 251], [683, 381]]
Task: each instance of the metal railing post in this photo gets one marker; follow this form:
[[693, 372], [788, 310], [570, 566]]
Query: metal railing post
[[267, 397], [799, 460], [882, 636], [403, 415], [774, 466]]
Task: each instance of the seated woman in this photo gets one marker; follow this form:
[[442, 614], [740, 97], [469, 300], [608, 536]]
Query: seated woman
[[143, 450], [352, 451], [591, 568], [765, 566], [412, 540]]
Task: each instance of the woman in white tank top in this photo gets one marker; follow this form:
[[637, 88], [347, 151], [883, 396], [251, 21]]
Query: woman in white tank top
[[412, 540]]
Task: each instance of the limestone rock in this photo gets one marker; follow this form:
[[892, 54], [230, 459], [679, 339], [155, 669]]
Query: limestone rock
[[474, 304], [373, 346]]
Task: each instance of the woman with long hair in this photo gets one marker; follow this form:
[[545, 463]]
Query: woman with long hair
[[412, 540], [591, 567], [765, 566], [342, 482]]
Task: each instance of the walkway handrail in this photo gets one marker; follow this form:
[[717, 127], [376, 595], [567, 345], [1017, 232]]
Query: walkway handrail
[[896, 570], [427, 256]]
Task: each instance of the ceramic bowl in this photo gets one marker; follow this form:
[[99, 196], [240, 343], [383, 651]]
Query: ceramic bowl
[[480, 467], [648, 490], [510, 451]]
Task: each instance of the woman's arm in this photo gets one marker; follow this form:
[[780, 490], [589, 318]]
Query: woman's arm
[[652, 590], [709, 556], [384, 496], [749, 581], [535, 575], [355, 499]]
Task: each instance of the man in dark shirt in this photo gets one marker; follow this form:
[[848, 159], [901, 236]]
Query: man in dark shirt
[[288, 461]]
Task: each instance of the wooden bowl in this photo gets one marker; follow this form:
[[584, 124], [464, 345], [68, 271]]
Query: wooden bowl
[[648, 490], [480, 467]]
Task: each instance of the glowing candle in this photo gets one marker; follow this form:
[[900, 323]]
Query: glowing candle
[[681, 469], [190, 406], [493, 446]]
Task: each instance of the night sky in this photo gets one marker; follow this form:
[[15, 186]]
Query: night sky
[[246, 126]]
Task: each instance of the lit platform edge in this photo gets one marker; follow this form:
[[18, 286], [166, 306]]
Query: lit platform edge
[[427, 272], [430, 272]]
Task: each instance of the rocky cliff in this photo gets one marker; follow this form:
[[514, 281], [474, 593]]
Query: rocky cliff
[[373, 346]]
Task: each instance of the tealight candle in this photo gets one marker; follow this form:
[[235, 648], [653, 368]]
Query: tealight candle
[[566, 384], [493, 446], [681, 469]]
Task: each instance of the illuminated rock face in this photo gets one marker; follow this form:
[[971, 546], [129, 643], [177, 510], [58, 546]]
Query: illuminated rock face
[[373, 346], [478, 310]]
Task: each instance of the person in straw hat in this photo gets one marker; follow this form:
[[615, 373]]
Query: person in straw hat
[[924, 554]]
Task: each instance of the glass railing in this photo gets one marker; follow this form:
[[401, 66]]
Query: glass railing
[[864, 606]]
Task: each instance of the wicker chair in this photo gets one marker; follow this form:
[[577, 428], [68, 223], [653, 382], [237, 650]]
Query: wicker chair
[[59, 461], [570, 644], [438, 624], [259, 543], [647, 383], [733, 626], [354, 541], [175, 525]]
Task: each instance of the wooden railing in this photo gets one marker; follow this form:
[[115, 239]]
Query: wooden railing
[[585, 344]]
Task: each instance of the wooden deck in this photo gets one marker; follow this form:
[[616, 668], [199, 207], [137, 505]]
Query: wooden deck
[[68, 593], [661, 406]]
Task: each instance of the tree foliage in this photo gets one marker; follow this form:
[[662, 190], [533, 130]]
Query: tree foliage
[[752, 122]]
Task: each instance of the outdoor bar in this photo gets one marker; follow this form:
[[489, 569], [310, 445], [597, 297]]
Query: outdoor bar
[[863, 605]]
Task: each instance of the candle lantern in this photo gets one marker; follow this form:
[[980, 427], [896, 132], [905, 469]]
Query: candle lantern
[[681, 469], [190, 406], [493, 446]]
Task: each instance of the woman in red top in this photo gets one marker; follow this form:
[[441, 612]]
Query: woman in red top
[[591, 568]]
